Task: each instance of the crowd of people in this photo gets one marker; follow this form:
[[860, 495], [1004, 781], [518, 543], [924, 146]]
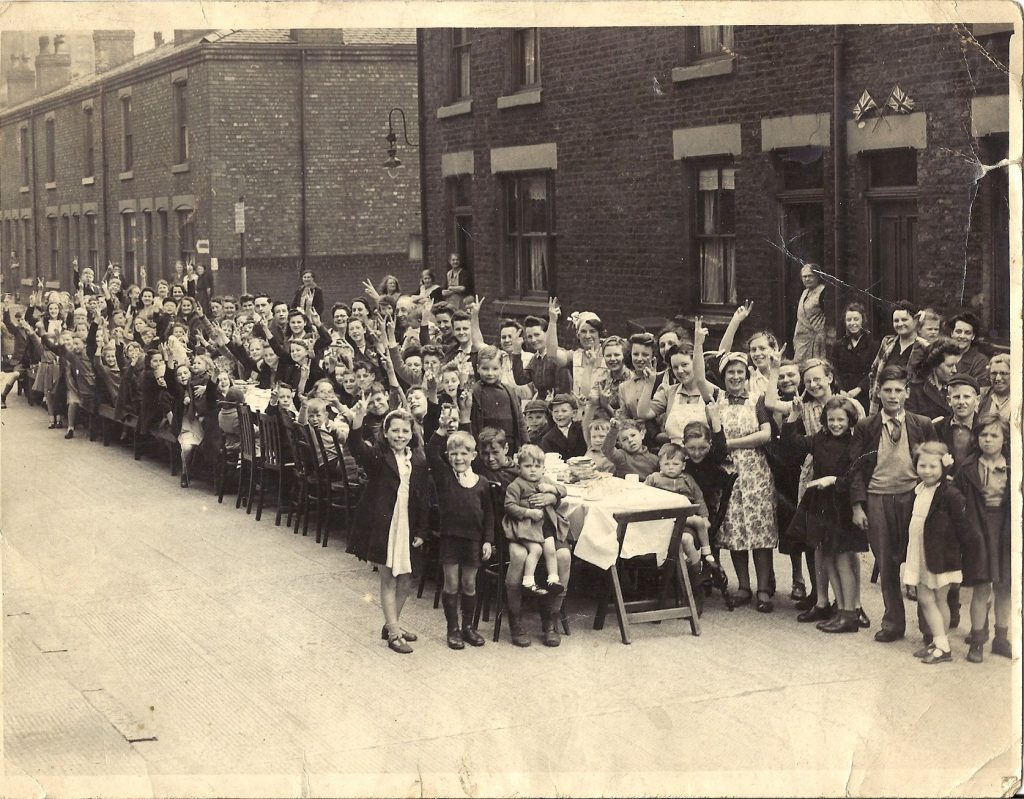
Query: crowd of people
[[899, 447]]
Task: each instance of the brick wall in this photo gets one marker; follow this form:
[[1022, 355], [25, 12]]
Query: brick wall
[[621, 201], [243, 109]]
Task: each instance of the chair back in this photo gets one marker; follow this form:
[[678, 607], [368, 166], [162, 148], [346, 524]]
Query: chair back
[[246, 432], [500, 542], [292, 434], [723, 506], [270, 440], [305, 453], [339, 447]]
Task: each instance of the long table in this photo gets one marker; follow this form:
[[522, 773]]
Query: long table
[[590, 508]]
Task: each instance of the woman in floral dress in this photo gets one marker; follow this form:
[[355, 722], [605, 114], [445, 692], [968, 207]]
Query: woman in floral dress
[[750, 522]]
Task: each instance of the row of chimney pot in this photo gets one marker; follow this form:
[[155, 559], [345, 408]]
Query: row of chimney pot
[[112, 48]]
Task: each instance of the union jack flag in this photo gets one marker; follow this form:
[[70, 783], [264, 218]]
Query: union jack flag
[[865, 104], [899, 101]]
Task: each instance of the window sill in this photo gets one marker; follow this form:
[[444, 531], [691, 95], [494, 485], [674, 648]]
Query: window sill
[[528, 97], [704, 69], [51, 185], [88, 181], [455, 109], [715, 317], [127, 175], [522, 307], [177, 169], [23, 189]]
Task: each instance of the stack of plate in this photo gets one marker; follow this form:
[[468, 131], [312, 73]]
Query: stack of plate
[[582, 468]]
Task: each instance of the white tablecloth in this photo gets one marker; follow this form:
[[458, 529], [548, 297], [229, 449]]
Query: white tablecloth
[[591, 509], [256, 398]]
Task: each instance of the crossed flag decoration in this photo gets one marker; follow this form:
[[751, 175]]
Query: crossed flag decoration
[[898, 102], [863, 106]]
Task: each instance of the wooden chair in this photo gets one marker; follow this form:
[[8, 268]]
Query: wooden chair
[[227, 462], [312, 493], [339, 494], [430, 559], [300, 483], [490, 578], [250, 457], [672, 575], [272, 462]]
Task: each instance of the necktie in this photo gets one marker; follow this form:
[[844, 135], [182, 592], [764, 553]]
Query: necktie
[[892, 427]]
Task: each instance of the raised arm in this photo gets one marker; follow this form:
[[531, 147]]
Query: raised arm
[[738, 316], [700, 334], [795, 443], [561, 357], [651, 407], [476, 335]]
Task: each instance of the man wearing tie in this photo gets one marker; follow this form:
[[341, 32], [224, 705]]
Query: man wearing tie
[[882, 488]]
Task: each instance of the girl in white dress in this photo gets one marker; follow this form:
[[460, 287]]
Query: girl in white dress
[[937, 538]]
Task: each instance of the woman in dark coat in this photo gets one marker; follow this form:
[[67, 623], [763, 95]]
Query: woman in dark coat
[[309, 295], [928, 380], [155, 400], [392, 517], [853, 353], [984, 481]]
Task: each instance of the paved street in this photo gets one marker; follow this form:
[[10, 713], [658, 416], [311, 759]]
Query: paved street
[[156, 637]]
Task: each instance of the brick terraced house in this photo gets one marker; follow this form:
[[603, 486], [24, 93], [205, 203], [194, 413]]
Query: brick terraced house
[[142, 162], [648, 172]]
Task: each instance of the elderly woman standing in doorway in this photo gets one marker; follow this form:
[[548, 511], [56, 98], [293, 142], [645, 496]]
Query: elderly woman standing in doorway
[[809, 334]]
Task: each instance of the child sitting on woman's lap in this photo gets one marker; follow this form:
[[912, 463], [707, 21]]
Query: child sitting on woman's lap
[[672, 477], [535, 528]]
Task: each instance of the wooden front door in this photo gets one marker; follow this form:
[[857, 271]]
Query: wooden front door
[[893, 244]]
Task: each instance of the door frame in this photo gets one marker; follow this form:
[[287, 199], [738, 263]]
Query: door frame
[[873, 199]]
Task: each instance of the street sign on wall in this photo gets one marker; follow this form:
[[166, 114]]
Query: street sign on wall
[[203, 246]]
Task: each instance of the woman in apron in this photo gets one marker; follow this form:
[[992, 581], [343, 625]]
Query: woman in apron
[[809, 334], [750, 519]]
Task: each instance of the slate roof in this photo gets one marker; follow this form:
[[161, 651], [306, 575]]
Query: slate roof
[[355, 37]]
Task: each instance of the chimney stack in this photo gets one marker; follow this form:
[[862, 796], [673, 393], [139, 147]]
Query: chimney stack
[[158, 38], [53, 70], [113, 48], [21, 80]]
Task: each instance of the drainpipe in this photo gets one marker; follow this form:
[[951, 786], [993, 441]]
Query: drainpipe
[[106, 188], [35, 197], [422, 118], [838, 162], [302, 158]]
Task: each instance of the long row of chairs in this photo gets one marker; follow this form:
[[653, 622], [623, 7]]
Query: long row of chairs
[[286, 463]]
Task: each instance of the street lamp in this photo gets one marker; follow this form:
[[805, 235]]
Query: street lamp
[[393, 163]]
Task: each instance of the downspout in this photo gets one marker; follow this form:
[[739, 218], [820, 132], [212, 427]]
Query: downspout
[[35, 197], [421, 123], [103, 179], [302, 158], [838, 162]]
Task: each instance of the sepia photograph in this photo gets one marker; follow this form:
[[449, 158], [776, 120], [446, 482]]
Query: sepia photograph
[[420, 404]]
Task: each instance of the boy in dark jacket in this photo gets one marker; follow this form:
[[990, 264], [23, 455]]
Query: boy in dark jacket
[[565, 436], [467, 528]]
